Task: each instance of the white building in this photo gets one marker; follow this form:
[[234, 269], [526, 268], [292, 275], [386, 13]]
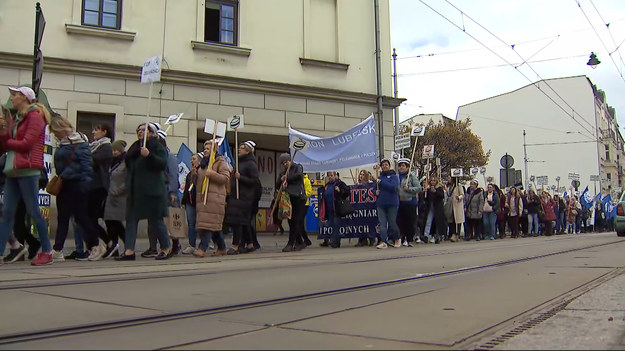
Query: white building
[[568, 126]]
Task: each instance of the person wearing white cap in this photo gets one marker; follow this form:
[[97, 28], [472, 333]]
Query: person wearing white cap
[[22, 137], [474, 203], [409, 187], [147, 196], [387, 203]]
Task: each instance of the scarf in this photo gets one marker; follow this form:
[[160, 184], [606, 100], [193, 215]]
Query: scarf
[[94, 145], [74, 138]]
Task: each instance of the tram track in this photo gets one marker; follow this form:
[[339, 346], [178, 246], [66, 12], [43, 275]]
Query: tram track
[[98, 277], [168, 317]]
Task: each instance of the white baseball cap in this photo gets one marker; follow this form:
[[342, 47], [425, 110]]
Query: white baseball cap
[[28, 92]]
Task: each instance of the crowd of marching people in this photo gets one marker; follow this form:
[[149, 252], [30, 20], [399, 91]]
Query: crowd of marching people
[[102, 180]]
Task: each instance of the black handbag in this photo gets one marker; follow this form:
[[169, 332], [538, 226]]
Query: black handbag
[[343, 207]]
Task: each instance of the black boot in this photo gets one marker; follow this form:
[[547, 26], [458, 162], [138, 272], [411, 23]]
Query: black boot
[[288, 247]]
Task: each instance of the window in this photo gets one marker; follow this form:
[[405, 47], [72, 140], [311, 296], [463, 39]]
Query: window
[[607, 152], [102, 13], [85, 121], [220, 22]]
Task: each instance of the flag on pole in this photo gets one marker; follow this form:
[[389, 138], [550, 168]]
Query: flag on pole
[[224, 150], [184, 165], [586, 198]]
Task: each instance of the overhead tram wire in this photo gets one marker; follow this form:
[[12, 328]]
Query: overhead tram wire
[[489, 66], [516, 68], [472, 115], [607, 26], [600, 40], [572, 115]]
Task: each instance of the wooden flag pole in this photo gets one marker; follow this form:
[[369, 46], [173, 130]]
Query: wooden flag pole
[[414, 149], [236, 159], [210, 161], [145, 133]]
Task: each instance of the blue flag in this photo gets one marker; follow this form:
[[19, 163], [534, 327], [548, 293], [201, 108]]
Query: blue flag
[[597, 198], [184, 165], [586, 198], [224, 150]]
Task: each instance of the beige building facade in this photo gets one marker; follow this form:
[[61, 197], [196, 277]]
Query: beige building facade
[[307, 63]]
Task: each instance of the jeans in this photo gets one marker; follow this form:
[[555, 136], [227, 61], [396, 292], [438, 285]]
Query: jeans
[[27, 189], [78, 237], [157, 226], [532, 223], [489, 218], [387, 216], [217, 237], [335, 238], [71, 202], [191, 218], [428, 222]]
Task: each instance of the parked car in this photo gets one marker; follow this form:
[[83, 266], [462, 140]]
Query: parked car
[[619, 221]]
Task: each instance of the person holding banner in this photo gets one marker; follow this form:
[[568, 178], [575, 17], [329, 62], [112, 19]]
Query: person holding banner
[[189, 201], [387, 202], [434, 198], [409, 187], [292, 181], [213, 180], [147, 196], [365, 177], [334, 190], [239, 205]]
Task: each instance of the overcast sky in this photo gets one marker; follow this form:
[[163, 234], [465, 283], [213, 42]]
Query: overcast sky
[[440, 67]]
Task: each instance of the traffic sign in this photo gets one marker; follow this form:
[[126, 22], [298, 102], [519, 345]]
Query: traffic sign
[[402, 141], [506, 161]]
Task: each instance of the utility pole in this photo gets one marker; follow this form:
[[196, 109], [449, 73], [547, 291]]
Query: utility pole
[[525, 161], [396, 121], [378, 68]]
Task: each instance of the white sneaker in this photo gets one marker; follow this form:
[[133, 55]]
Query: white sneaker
[[188, 250], [418, 241], [57, 256], [432, 240], [398, 243], [97, 252], [405, 243], [211, 246], [382, 245]]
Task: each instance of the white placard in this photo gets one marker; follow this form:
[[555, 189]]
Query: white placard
[[428, 151], [299, 144], [209, 125], [574, 176], [402, 141], [594, 178], [482, 170], [235, 122], [175, 118], [151, 71], [418, 131], [457, 172], [474, 170]]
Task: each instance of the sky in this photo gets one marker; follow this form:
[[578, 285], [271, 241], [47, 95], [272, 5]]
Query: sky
[[464, 52]]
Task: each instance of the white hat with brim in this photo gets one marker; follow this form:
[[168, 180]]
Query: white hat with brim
[[26, 91]]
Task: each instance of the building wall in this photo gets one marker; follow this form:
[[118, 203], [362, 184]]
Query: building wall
[[556, 143]]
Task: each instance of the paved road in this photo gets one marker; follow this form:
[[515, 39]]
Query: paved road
[[448, 296]]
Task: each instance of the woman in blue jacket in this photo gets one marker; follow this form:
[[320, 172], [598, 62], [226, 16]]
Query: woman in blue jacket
[[388, 203]]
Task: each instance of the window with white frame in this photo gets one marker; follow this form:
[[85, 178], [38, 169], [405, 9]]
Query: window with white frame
[[220, 21], [102, 13]]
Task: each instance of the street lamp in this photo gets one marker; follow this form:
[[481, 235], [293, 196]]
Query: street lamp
[[594, 61]]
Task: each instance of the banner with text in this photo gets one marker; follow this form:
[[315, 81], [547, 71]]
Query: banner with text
[[356, 147], [363, 223]]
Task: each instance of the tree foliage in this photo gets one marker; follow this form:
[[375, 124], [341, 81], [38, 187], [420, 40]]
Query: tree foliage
[[454, 144]]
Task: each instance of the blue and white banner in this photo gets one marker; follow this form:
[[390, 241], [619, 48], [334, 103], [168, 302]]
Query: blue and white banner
[[355, 147], [363, 223]]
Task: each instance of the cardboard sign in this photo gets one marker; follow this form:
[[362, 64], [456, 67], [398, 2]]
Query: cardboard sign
[[174, 118], [402, 141], [151, 71], [235, 122], [209, 127], [418, 131], [428, 151], [457, 172]]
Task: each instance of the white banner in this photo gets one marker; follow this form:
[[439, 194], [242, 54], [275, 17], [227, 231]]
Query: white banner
[[151, 71]]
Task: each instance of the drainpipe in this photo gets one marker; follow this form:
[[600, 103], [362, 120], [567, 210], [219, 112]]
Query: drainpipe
[[379, 80]]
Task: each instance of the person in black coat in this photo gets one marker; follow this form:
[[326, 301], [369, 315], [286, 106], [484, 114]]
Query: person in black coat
[[240, 203], [292, 181], [434, 198], [334, 190]]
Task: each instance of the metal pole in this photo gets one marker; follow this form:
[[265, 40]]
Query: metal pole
[[525, 161], [396, 116], [378, 65]]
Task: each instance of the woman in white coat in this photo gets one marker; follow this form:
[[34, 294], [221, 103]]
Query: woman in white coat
[[457, 197]]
